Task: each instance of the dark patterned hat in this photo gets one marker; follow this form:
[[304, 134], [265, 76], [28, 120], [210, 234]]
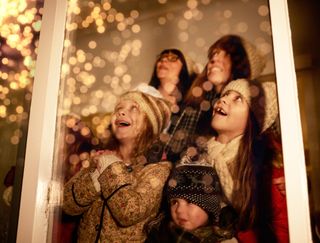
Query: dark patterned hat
[[198, 184]]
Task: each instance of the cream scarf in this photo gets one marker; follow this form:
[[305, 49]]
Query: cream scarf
[[223, 158]]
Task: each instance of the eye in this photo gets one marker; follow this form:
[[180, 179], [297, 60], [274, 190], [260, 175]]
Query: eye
[[173, 202], [238, 98], [135, 108], [225, 94], [118, 108]]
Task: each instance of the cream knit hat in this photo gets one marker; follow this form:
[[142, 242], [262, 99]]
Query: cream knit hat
[[256, 60], [261, 97], [157, 110]]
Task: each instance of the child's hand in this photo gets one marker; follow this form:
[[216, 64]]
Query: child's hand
[[104, 158], [280, 184]]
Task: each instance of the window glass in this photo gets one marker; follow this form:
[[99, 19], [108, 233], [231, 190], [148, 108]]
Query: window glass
[[111, 47]]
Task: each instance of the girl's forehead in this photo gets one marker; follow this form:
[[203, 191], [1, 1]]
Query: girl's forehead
[[232, 92], [127, 102]]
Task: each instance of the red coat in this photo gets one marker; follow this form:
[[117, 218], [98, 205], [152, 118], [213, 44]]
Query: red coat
[[279, 215]]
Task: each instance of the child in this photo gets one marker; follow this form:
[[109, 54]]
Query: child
[[193, 193], [122, 191], [243, 159], [230, 57]]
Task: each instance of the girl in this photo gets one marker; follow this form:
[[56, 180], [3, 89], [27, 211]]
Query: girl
[[122, 191], [243, 159], [230, 57]]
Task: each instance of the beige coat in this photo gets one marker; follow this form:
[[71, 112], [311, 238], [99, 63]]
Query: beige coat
[[132, 198]]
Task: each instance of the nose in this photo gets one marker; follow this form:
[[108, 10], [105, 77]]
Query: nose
[[216, 57], [223, 100], [121, 112], [180, 208]]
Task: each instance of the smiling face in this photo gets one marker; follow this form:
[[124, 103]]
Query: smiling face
[[168, 68], [230, 116], [219, 68], [187, 215], [127, 121]]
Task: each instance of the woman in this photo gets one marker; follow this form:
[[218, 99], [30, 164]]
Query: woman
[[121, 191], [171, 76], [245, 162], [230, 57]]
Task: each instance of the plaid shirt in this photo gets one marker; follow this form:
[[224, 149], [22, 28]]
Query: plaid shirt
[[184, 131]]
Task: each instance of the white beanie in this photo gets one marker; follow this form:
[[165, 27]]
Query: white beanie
[[261, 97]]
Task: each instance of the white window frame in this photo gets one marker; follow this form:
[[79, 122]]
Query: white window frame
[[34, 217]]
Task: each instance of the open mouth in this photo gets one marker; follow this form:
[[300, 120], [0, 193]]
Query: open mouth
[[220, 111], [122, 123]]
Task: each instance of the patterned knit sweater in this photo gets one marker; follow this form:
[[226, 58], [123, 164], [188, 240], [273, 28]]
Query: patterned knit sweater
[[127, 201]]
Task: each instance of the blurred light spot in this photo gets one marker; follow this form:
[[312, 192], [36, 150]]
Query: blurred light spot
[[135, 28], [227, 14], [197, 91], [14, 140], [192, 4], [134, 14], [242, 27], [19, 109], [92, 44], [265, 26], [162, 20], [183, 36], [263, 10]]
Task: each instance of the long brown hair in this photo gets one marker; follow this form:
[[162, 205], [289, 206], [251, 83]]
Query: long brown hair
[[244, 176], [240, 68], [252, 174]]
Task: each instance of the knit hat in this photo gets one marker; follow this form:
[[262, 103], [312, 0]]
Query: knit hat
[[156, 109], [256, 61], [261, 97], [198, 184]]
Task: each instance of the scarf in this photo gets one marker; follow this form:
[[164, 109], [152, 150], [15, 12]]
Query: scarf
[[223, 158]]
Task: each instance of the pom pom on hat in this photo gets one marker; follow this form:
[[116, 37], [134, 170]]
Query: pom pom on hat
[[261, 97], [156, 109], [198, 184]]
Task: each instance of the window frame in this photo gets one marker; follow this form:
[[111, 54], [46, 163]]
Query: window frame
[[35, 196]]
